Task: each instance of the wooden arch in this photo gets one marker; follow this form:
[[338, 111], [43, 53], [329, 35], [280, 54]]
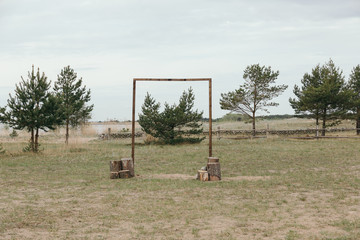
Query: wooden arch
[[169, 80]]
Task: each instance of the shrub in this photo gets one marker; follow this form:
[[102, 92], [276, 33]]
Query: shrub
[[176, 124]]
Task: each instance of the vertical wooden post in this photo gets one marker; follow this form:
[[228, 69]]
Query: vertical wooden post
[[210, 119], [109, 133], [133, 124]]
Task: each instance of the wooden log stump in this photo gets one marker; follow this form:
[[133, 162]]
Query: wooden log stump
[[213, 169], [203, 175], [114, 175], [115, 167], [128, 164], [213, 159], [124, 174]]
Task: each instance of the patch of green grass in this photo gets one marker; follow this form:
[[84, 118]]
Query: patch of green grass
[[349, 225], [292, 235]]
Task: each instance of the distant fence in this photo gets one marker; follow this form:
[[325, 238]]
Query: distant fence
[[308, 131], [222, 133], [119, 135]]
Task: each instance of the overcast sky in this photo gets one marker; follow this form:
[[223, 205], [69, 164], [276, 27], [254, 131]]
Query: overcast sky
[[110, 42]]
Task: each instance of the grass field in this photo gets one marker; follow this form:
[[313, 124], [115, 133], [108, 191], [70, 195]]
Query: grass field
[[272, 188]]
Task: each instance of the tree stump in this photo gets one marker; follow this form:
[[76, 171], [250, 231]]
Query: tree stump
[[124, 174], [114, 175], [128, 164], [115, 166], [213, 169], [213, 159], [203, 175]]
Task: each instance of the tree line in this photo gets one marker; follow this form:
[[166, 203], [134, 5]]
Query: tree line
[[36, 106], [323, 95]]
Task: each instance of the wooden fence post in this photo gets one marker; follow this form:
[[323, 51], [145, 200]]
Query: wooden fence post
[[109, 133]]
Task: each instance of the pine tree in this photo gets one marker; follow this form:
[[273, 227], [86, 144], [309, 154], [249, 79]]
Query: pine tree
[[2, 115], [354, 87], [323, 95], [178, 123], [307, 102], [73, 98], [255, 94], [150, 116], [13, 134], [33, 107]]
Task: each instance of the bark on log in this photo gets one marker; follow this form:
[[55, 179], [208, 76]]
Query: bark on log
[[213, 159], [124, 174], [114, 175], [115, 166], [203, 175], [213, 169], [128, 164]]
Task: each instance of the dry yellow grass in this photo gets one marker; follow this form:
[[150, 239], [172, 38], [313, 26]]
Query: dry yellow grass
[[272, 189]]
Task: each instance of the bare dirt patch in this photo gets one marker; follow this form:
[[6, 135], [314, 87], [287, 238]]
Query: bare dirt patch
[[169, 176], [246, 178], [192, 177]]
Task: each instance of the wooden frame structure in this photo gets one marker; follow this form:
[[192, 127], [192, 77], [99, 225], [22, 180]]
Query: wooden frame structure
[[170, 80]]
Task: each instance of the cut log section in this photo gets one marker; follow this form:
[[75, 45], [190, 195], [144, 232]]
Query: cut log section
[[124, 174], [128, 164], [203, 175], [213, 169], [114, 175], [213, 159], [115, 166]]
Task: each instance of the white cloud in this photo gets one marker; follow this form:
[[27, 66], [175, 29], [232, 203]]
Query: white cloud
[[110, 42]]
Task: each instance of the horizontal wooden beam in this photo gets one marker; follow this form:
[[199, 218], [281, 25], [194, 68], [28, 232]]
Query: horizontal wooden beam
[[173, 79]]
